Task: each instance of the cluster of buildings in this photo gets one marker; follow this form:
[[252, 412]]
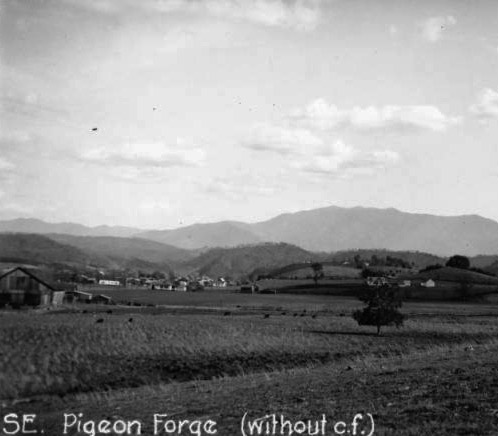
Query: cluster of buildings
[[384, 281], [21, 287], [177, 284]]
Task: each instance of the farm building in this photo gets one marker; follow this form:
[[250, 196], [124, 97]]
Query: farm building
[[220, 283], [428, 284], [249, 289], [77, 297], [101, 299], [376, 281], [110, 282], [20, 287]]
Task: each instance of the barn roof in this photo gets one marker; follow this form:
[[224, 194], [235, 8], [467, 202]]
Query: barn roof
[[29, 273]]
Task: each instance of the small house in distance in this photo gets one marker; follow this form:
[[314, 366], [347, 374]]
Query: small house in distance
[[376, 281], [101, 299], [110, 282], [76, 296], [20, 287], [428, 284]]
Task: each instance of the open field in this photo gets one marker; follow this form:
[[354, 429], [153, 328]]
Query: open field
[[297, 355], [215, 298], [304, 270], [305, 294], [456, 275], [296, 283]]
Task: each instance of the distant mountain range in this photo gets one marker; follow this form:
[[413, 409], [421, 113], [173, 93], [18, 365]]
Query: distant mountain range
[[222, 234], [326, 229], [334, 228], [32, 225]]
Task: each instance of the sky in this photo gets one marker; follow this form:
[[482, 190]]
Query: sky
[[163, 113]]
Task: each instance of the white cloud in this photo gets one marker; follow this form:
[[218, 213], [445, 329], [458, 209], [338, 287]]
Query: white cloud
[[101, 6], [240, 186], [197, 36], [6, 165], [487, 105], [328, 159], [297, 14], [321, 115], [282, 140], [7, 171], [294, 14], [15, 137], [17, 208], [433, 28], [143, 162], [147, 155], [310, 153], [343, 160], [155, 205]]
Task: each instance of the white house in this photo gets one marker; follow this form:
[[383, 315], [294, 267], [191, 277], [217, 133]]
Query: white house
[[109, 282], [376, 281], [221, 283], [428, 284]]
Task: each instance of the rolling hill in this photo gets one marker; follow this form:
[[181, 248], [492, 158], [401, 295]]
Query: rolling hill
[[419, 259], [126, 248], [84, 251], [38, 249], [448, 274], [243, 260]]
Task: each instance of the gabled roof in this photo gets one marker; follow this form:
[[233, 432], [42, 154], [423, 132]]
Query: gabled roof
[[105, 297], [76, 292], [29, 273]]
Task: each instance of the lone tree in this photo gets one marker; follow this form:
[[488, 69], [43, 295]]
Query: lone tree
[[382, 304], [317, 271], [458, 261]]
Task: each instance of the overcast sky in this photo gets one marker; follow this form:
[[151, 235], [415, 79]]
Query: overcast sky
[[160, 113]]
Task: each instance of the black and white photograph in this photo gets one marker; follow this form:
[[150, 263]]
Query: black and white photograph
[[249, 217]]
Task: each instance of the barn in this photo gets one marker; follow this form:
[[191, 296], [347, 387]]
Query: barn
[[102, 299], [76, 296], [20, 287]]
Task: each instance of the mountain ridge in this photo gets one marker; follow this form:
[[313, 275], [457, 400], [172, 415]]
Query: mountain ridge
[[330, 228]]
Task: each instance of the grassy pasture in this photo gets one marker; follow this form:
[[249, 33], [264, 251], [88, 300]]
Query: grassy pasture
[[448, 274], [305, 271], [68, 352], [336, 287], [218, 299], [260, 353]]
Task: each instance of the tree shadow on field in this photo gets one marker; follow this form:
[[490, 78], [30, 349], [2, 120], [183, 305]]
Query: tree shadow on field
[[433, 337], [335, 333]]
